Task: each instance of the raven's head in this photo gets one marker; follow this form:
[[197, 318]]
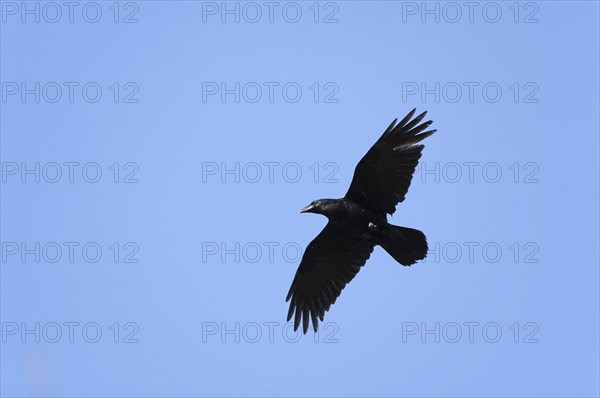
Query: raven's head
[[321, 206]]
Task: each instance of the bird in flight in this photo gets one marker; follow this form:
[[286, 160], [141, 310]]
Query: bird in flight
[[358, 222]]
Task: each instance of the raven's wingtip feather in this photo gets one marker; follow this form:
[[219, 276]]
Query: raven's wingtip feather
[[406, 119]]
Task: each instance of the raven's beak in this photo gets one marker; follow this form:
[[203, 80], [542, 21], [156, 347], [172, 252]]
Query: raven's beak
[[307, 208]]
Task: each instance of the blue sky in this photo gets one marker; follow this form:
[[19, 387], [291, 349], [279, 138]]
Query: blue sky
[[155, 156]]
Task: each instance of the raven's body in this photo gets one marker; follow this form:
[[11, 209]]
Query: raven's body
[[358, 223], [355, 220]]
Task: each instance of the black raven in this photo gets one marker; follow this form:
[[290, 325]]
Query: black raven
[[358, 222]]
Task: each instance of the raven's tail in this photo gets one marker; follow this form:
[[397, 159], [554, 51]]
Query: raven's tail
[[406, 245]]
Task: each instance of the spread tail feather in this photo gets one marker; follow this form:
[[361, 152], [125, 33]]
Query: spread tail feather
[[405, 245]]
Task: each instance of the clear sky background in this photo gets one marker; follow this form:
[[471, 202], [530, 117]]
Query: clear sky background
[[210, 134]]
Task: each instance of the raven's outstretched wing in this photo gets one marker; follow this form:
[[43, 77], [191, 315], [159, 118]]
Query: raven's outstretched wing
[[382, 177], [330, 261]]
